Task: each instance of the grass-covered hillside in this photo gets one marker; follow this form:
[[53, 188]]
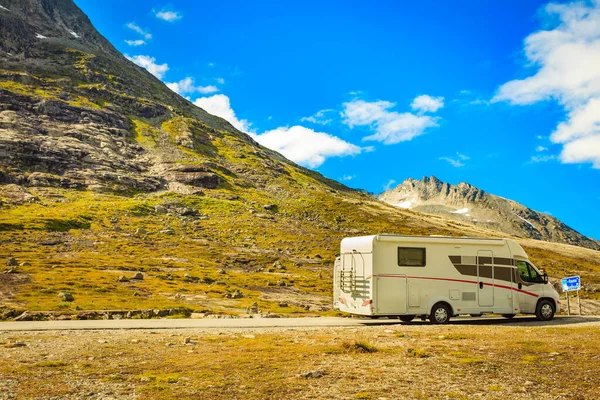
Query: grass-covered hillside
[[220, 252]]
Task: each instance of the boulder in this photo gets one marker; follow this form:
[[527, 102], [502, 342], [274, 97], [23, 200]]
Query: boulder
[[159, 209], [11, 262], [66, 296], [138, 276], [24, 317], [123, 278]]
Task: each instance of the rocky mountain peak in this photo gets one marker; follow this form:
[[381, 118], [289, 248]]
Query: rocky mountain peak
[[468, 203], [58, 22]]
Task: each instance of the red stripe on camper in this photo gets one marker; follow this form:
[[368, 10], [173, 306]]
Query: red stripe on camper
[[458, 280]]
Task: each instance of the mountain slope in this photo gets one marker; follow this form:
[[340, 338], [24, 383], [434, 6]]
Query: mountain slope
[[104, 172], [467, 203]]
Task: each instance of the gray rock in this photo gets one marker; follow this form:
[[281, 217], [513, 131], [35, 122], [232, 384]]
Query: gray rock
[[66, 296], [237, 295], [253, 308], [138, 276], [123, 278], [140, 231], [161, 313], [270, 207], [160, 209], [25, 316], [312, 374]]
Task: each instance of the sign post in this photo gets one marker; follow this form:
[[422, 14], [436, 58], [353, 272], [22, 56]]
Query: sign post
[[572, 283]]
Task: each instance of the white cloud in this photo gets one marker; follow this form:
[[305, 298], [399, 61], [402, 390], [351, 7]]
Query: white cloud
[[319, 118], [425, 103], [220, 81], [542, 158], [301, 145], [388, 185], [138, 42], [456, 161], [186, 86], [585, 149], [390, 126], [134, 27], [220, 106], [306, 146], [149, 63], [567, 58], [348, 177], [169, 16], [541, 148]]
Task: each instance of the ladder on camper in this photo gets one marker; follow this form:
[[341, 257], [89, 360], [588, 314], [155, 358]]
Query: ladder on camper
[[347, 274]]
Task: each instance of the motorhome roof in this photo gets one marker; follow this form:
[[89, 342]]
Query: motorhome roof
[[438, 237]]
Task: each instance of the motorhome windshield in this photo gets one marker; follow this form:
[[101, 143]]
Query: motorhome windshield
[[528, 272]]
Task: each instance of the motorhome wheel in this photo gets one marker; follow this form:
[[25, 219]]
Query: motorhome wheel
[[544, 310], [439, 314]]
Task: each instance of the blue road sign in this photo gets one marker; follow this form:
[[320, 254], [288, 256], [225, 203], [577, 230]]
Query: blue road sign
[[571, 283]]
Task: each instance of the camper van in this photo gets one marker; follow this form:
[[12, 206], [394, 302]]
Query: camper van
[[439, 277]]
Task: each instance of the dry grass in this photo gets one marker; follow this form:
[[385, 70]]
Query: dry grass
[[435, 362]]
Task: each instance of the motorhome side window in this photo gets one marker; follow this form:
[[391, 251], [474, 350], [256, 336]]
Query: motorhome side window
[[411, 256]]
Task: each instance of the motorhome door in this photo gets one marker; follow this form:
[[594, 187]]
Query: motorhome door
[[485, 278]]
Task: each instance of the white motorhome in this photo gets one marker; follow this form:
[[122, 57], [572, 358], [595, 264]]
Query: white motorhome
[[439, 277]]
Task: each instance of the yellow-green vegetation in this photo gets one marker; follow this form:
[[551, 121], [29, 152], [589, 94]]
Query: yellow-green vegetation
[[44, 92], [281, 259], [300, 364], [82, 242], [145, 134], [46, 89]]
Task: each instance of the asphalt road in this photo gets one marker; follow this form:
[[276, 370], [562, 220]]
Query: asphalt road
[[257, 323]]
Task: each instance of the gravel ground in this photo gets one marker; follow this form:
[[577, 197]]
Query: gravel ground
[[460, 361]]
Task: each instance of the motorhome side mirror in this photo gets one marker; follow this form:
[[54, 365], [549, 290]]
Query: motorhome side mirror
[[545, 277]]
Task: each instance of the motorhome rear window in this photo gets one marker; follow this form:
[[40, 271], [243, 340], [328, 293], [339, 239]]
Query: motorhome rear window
[[411, 256]]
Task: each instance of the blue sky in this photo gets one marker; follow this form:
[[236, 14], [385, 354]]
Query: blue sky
[[503, 95]]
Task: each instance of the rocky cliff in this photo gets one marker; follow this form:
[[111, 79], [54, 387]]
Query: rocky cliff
[[74, 113], [467, 203]]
